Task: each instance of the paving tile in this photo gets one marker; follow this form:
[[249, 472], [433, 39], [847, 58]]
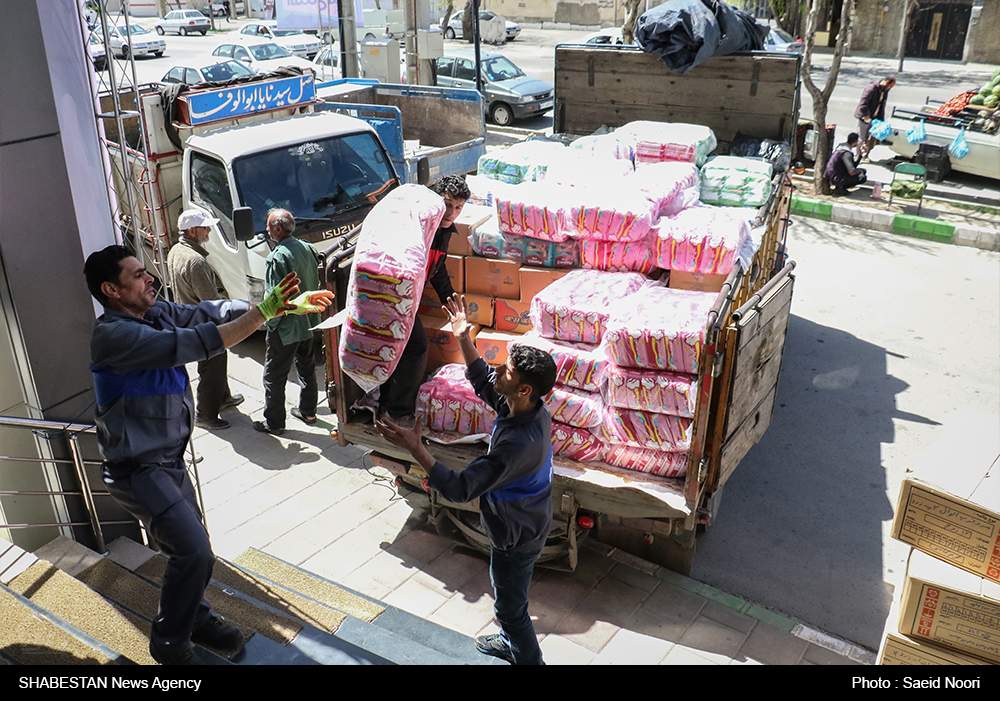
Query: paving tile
[[712, 638], [632, 576], [628, 647], [418, 547], [587, 627], [560, 651], [818, 655], [681, 655], [614, 599], [465, 614], [676, 607], [378, 576], [728, 617], [455, 567], [339, 559], [769, 645], [414, 597]]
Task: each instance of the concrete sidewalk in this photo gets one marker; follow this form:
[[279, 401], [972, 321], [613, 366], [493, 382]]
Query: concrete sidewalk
[[305, 500]]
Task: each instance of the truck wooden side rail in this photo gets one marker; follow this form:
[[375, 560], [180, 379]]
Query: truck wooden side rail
[[653, 517]]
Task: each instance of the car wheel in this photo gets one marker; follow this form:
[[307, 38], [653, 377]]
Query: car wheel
[[159, 30], [203, 32], [124, 52], [183, 32], [449, 33], [502, 115], [158, 54]]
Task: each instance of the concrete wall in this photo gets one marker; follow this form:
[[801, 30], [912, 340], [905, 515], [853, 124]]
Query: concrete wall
[[983, 44]]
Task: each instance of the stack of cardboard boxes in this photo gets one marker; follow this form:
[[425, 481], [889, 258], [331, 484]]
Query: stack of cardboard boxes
[[498, 293], [946, 610]]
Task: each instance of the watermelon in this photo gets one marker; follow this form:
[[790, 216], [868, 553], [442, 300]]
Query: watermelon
[[991, 102], [977, 100]]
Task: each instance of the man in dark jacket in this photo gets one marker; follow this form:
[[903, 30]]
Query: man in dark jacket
[[872, 106], [513, 481], [842, 170], [398, 394]]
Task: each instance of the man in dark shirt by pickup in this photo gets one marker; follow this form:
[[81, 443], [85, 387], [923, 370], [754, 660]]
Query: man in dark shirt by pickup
[[398, 394], [842, 170], [513, 479]]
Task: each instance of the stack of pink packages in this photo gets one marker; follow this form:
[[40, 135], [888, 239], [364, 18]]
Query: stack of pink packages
[[575, 307], [646, 429], [616, 214], [620, 256], [702, 239], [671, 393], [387, 280], [576, 443], [670, 185], [575, 407], [579, 365], [662, 141], [448, 403], [657, 462], [537, 210], [659, 328]]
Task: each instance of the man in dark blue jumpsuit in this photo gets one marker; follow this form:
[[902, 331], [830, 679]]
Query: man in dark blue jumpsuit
[[145, 415]]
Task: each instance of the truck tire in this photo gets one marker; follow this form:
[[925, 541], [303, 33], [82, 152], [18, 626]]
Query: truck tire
[[501, 114]]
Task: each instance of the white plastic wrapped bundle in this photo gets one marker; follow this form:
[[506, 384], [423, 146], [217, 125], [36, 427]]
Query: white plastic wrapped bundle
[[523, 162], [387, 279], [702, 240], [617, 144], [620, 256], [671, 185], [484, 190], [578, 365], [575, 407], [610, 213], [576, 168], [575, 307], [448, 403], [661, 392], [657, 462], [735, 181], [538, 210], [665, 141], [659, 328], [645, 429]]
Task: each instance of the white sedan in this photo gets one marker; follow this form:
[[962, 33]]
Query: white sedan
[[183, 22], [139, 42], [454, 28], [206, 69], [262, 57], [295, 40]]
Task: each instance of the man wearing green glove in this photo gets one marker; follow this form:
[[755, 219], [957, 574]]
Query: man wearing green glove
[[144, 416], [289, 339]]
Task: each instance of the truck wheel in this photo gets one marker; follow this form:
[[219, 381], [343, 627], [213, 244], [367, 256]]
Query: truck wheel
[[159, 30], [449, 33], [502, 115]]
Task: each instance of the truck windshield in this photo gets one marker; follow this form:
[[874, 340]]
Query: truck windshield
[[314, 179]]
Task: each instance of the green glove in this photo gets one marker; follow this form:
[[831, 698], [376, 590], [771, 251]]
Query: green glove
[[277, 299], [310, 302]]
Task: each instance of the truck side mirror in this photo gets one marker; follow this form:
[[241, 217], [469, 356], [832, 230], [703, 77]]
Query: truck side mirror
[[243, 223]]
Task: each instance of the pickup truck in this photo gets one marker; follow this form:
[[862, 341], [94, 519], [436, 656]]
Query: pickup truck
[[983, 158], [653, 517]]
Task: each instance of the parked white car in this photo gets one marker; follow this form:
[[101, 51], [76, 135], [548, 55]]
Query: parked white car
[[454, 28], [295, 40], [95, 49], [207, 69], [142, 42], [183, 22], [262, 56], [610, 36]]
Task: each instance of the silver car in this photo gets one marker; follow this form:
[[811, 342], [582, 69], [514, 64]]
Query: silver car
[[183, 22], [295, 40], [206, 69], [142, 42], [454, 28], [510, 94]]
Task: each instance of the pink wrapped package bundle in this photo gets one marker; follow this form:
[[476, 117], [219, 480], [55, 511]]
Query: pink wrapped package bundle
[[663, 141], [387, 279], [575, 407], [578, 365], [660, 329], [657, 462], [670, 185], [533, 209], [576, 443], [620, 256], [575, 307], [671, 393], [448, 403], [646, 429], [610, 214], [701, 240]]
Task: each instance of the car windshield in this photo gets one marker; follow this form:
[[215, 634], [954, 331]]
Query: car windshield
[[265, 52], [227, 70], [782, 36], [497, 69], [314, 179], [94, 39], [136, 29], [287, 32]]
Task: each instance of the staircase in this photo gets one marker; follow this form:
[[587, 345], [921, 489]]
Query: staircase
[[65, 604]]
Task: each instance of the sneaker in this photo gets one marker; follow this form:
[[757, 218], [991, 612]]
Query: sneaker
[[264, 428], [218, 634], [495, 646], [297, 413], [211, 424], [234, 400], [184, 658]]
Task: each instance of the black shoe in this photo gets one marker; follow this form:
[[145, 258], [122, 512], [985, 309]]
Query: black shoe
[[215, 424], [264, 428], [218, 634], [234, 400], [185, 658], [495, 646], [297, 413]]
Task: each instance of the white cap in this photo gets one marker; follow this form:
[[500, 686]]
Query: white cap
[[192, 217]]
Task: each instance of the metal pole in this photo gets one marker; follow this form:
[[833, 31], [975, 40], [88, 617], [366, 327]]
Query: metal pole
[[476, 39], [88, 498]]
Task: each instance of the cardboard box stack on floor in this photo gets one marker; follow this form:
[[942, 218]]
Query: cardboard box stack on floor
[[946, 609]]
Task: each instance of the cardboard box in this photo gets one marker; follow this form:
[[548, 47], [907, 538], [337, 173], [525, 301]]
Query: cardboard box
[[430, 303], [950, 607], [534, 280], [698, 282], [459, 245], [955, 530], [511, 316], [456, 271], [897, 649], [492, 345], [443, 347], [480, 309], [489, 277], [472, 216]]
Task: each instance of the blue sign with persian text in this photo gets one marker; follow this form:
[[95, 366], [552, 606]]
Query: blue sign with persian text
[[241, 100]]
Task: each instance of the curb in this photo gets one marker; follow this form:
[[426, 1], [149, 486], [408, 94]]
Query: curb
[[902, 224]]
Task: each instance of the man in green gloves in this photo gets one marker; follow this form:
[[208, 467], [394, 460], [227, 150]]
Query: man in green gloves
[[145, 414]]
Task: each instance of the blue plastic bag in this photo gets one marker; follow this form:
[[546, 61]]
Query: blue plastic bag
[[959, 147], [917, 134], [880, 131]]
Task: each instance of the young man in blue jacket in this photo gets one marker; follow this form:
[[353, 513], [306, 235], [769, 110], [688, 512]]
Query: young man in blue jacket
[[514, 479]]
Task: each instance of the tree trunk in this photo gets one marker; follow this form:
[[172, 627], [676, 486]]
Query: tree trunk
[[447, 14], [631, 17], [467, 19], [821, 98]]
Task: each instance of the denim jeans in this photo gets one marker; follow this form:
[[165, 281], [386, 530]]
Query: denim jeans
[[510, 574]]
